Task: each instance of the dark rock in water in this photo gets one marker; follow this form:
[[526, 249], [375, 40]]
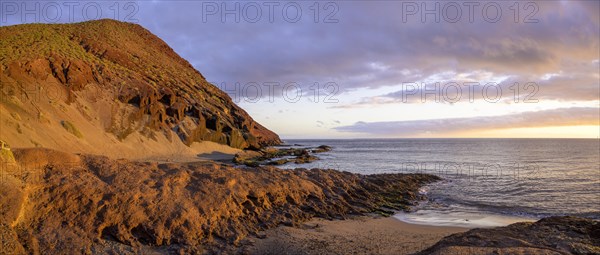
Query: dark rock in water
[[265, 156], [322, 148], [305, 158], [553, 235], [277, 162], [251, 163]]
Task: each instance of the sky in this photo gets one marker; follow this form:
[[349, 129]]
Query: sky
[[378, 69]]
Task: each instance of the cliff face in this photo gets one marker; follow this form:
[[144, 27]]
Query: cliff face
[[70, 81]]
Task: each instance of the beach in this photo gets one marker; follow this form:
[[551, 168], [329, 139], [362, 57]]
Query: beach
[[356, 235], [380, 235]]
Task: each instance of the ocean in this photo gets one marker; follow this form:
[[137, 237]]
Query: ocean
[[487, 182]]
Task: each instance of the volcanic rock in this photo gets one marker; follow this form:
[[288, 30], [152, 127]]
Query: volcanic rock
[[92, 204], [553, 235], [110, 79]]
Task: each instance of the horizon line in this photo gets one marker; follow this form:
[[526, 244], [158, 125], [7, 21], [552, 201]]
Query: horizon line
[[383, 138]]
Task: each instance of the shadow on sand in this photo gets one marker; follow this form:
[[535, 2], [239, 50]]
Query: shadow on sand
[[216, 156]]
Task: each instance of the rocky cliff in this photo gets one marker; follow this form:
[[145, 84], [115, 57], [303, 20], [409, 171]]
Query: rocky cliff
[[79, 85]]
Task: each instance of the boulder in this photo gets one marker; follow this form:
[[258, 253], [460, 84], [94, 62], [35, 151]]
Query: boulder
[[246, 155], [553, 235]]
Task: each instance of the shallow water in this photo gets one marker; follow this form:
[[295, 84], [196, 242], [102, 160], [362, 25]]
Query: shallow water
[[487, 182]]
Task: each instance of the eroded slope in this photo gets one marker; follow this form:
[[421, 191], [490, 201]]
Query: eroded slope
[[110, 84]]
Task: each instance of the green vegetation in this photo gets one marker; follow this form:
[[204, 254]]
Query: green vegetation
[[6, 155], [71, 128], [104, 43]]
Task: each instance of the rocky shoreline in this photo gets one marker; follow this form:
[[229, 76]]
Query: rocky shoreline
[[279, 156], [55, 202]]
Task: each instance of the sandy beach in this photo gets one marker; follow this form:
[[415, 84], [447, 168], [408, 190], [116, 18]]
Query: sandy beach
[[358, 235]]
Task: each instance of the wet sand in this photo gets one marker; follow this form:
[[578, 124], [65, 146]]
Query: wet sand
[[359, 235]]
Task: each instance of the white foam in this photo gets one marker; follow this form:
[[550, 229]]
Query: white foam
[[459, 219]]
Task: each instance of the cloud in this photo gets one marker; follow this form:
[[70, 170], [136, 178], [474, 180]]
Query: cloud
[[371, 46], [577, 81], [557, 117]]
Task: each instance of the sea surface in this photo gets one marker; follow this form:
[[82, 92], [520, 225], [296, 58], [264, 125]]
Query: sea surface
[[487, 182]]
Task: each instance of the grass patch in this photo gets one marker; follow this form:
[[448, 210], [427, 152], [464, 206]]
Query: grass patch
[[71, 128], [6, 156]]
